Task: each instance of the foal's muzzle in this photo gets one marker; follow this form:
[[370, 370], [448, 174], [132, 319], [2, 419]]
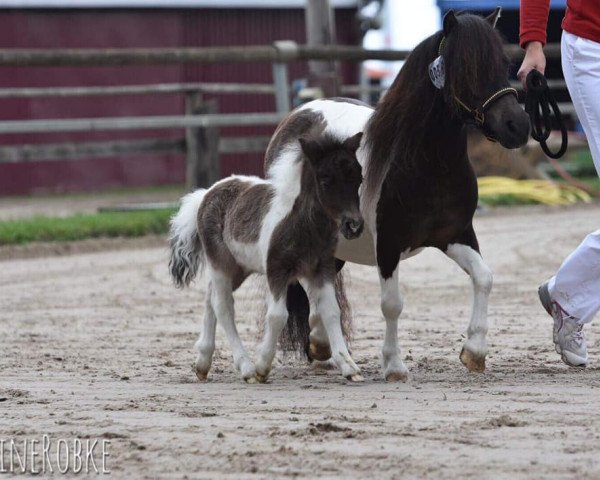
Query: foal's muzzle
[[352, 227]]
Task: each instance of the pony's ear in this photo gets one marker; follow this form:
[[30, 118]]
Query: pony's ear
[[450, 22], [311, 149], [493, 18], [353, 142]]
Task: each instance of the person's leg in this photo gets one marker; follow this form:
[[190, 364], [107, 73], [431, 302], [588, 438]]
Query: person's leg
[[577, 282], [571, 296]]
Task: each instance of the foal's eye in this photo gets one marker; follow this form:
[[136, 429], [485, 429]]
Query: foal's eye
[[326, 181]]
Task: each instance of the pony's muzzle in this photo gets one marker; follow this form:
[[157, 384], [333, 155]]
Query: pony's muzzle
[[352, 227]]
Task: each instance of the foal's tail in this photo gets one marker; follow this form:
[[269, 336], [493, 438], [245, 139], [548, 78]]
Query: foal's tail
[[187, 256]]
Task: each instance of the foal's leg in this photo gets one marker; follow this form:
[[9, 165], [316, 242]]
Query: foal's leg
[[394, 369], [276, 317], [205, 346], [467, 256], [319, 348], [222, 303], [326, 307]]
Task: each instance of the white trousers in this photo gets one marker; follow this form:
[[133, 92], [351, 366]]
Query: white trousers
[[576, 285]]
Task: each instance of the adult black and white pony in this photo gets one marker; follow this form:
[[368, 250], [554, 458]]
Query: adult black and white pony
[[420, 190], [285, 227]]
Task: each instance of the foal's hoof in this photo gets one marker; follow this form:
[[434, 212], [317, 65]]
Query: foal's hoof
[[356, 377], [394, 377], [473, 362], [262, 378], [251, 380], [319, 351]]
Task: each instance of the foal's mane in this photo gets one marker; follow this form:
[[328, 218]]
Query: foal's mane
[[411, 116]]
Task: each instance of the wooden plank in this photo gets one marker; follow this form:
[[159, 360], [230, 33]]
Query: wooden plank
[[172, 56], [161, 88], [256, 144], [202, 146], [114, 148], [320, 31], [70, 150], [139, 123]]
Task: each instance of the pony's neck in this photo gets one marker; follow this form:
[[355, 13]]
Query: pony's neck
[[414, 130]]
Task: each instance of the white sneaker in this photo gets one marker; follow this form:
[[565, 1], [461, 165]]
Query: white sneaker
[[568, 336]]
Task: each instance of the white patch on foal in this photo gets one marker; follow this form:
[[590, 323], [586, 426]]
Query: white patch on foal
[[285, 177], [342, 120]]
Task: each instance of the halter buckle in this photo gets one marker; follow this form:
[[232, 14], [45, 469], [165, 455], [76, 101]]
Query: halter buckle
[[479, 117]]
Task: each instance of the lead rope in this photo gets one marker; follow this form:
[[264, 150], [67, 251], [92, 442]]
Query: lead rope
[[538, 101]]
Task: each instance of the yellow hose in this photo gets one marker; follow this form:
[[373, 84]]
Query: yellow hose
[[538, 191]]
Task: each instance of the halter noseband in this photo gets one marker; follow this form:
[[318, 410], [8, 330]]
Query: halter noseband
[[478, 113]]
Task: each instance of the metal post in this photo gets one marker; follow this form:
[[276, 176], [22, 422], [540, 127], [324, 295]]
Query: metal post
[[287, 49]]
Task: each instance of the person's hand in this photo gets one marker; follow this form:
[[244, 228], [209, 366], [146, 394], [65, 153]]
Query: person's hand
[[534, 60]]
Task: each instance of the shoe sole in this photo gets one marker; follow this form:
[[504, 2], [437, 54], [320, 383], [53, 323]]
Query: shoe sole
[[575, 361], [545, 298]]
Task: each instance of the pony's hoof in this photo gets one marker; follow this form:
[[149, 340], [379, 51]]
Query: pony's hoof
[[394, 377], [357, 377], [473, 362], [200, 372], [251, 380], [319, 351]]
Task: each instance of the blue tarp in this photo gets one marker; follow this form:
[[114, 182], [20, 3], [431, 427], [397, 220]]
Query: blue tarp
[[489, 4]]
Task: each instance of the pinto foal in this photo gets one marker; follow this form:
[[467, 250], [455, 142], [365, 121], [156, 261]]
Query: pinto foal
[[285, 227]]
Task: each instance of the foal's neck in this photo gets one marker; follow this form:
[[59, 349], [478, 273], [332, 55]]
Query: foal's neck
[[308, 205]]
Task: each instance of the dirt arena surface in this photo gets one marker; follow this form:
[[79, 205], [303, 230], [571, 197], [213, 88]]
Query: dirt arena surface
[[99, 345]]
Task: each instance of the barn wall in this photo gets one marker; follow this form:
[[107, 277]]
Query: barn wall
[[138, 28]]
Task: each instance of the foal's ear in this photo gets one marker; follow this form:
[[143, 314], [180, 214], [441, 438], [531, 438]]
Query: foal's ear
[[493, 18], [450, 22], [311, 149], [353, 142]]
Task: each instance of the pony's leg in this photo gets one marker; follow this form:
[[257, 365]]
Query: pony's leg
[[327, 308], [222, 303], [394, 369], [276, 317], [467, 256], [205, 346]]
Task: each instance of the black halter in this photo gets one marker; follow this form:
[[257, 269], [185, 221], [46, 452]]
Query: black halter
[[477, 114]]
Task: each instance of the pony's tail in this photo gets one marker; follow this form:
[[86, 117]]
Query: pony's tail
[[187, 256], [295, 335]]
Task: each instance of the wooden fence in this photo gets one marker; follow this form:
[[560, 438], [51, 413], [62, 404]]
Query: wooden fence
[[202, 144]]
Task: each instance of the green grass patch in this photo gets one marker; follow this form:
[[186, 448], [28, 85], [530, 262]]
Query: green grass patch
[[506, 200], [80, 226]]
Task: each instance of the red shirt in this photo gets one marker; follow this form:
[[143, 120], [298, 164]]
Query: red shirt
[[582, 18]]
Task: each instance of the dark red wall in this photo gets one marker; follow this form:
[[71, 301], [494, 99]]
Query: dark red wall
[[138, 28]]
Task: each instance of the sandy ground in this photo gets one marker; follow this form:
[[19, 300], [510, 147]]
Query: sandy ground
[[99, 345]]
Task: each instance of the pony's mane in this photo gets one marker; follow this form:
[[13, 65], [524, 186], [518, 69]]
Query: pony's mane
[[413, 112]]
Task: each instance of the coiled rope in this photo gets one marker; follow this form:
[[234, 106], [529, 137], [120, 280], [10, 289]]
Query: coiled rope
[[538, 101]]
